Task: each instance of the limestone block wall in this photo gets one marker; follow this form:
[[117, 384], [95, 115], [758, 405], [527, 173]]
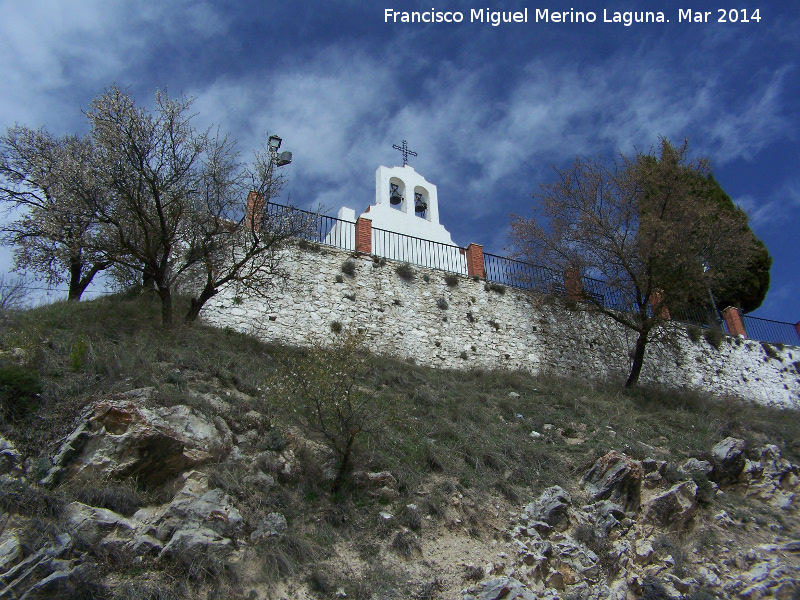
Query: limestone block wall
[[475, 325]]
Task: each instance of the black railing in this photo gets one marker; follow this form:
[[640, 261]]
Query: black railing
[[704, 316], [605, 295], [322, 228], [774, 332], [515, 273], [425, 253]]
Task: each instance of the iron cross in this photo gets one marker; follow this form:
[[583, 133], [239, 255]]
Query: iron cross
[[404, 149]]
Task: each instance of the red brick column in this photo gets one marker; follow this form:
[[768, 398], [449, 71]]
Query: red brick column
[[733, 319], [572, 283], [255, 204], [475, 264], [655, 300], [364, 235], [797, 327]]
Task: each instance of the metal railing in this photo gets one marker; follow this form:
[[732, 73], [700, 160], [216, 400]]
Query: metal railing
[[773, 332], [322, 228], [418, 251], [704, 316], [515, 273], [605, 294]]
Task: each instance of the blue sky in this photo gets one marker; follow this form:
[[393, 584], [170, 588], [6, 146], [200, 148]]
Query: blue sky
[[490, 110]]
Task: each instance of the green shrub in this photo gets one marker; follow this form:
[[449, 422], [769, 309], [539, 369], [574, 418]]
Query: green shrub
[[349, 268], [406, 272], [714, 336], [694, 333], [442, 303], [77, 353], [19, 391], [309, 246], [336, 327], [495, 287], [121, 497], [451, 279], [770, 350]]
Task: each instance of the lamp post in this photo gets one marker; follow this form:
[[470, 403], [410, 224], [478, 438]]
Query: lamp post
[[284, 158]]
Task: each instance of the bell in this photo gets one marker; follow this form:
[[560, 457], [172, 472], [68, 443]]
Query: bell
[[419, 203], [394, 195]]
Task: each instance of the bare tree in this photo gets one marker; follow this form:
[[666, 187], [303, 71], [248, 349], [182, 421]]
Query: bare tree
[[637, 225], [176, 212], [14, 292], [44, 181], [322, 390]]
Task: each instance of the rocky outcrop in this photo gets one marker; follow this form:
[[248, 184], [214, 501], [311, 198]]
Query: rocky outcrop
[[10, 458], [674, 508], [502, 588], [549, 510], [729, 460], [119, 438], [615, 477]]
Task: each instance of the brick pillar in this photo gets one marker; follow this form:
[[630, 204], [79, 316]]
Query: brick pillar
[[572, 283], [475, 264], [364, 235], [734, 322], [655, 300], [797, 327], [255, 204]]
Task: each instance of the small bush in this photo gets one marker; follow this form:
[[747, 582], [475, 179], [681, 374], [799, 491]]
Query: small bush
[[442, 303], [497, 288], [405, 544], [770, 350], [19, 391], [339, 279], [451, 279], [310, 246], [77, 354], [714, 336], [16, 496], [464, 355], [694, 333], [426, 278], [121, 497], [653, 589], [410, 517], [406, 272], [349, 268], [336, 327]]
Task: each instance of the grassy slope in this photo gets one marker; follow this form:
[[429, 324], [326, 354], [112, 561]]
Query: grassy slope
[[470, 429]]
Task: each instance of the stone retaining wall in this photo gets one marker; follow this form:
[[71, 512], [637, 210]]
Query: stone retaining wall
[[475, 325]]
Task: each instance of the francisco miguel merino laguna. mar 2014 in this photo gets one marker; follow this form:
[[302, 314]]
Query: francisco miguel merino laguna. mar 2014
[[545, 15]]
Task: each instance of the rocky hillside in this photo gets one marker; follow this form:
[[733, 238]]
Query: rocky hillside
[[137, 463]]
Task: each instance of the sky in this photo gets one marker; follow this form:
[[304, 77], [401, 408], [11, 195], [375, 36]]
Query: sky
[[489, 109]]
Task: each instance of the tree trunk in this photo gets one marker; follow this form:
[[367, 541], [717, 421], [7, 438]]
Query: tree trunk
[[638, 358], [343, 464], [166, 306], [75, 269], [198, 303], [78, 284]]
